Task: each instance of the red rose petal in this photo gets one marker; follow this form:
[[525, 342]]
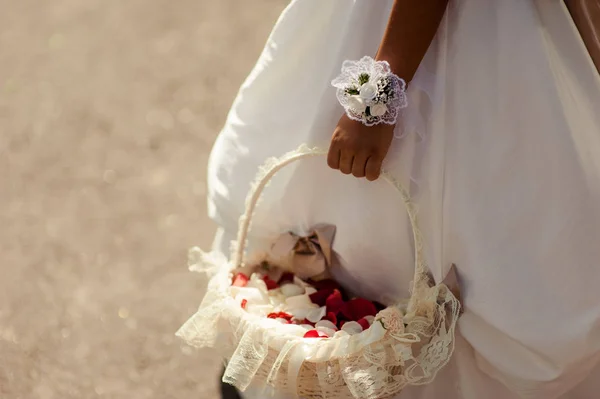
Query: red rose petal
[[327, 284], [334, 302], [331, 317], [285, 277], [280, 315], [271, 284], [240, 280], [311, 334], [244, 303], [315, 334], [320, 297], [357, 308], [287, 316], [364, 323]]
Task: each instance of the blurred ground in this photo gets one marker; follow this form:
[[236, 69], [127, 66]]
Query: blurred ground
[[108, 110]]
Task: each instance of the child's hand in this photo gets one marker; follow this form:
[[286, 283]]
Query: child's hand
[[359, 149]]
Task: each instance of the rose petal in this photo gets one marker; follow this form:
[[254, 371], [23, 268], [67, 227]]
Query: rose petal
[[332, 318], [320, 297], [326, 324], [364, 323], [299, 302], [357, 308], [334, 302], [244, 303], [315, 334], [240, 280], [280, 315], [289, 289], [352, 328], [286, 277], [309, 290], [271, 284], [327, 284], [316, 315], [329, 332], [370, 319], [256, 281]]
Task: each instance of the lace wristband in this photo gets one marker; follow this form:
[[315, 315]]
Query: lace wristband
[[369, 91]]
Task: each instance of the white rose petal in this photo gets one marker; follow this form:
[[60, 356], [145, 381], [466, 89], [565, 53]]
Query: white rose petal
[[368, 91], [352, 328], [307, 327], [282, 320], [310, 290], [291, 290], [298, 302], [329, 331], [370, 319], [276, 298], [326, 324], [257, 282], [356, 104], [316, 314], [378, 109], [340, 333], [300, 313]]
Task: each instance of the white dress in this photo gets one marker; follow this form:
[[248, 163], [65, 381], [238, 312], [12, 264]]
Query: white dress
[[500, 147]]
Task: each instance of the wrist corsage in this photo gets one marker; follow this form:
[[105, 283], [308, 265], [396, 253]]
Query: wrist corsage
[[369, 92]]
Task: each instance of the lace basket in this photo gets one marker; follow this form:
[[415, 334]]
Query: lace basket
[[406, 345]]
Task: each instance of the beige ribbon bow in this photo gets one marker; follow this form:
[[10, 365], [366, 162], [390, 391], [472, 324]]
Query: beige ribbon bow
[[309, 256]]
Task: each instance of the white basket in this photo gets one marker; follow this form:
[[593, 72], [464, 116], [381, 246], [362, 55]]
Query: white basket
[[406, 345]]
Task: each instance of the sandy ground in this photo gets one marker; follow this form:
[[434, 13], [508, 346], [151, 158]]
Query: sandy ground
[[108, 109]]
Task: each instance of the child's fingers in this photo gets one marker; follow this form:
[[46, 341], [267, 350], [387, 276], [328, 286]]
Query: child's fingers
[[359, 165], [333, 157], [373, 168], [346, 162]]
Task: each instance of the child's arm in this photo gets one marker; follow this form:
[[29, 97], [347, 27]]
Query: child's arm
[[359, 149], [586, 15]]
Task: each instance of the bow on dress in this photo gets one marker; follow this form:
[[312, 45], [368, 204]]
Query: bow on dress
[[308, 257]]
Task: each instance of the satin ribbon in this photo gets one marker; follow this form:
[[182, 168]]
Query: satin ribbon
[[309, 256]]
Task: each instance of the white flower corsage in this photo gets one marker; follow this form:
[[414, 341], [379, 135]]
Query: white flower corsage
[[369, 92]]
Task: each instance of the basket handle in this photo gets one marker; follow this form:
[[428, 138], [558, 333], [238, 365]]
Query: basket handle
[[272, 166]]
